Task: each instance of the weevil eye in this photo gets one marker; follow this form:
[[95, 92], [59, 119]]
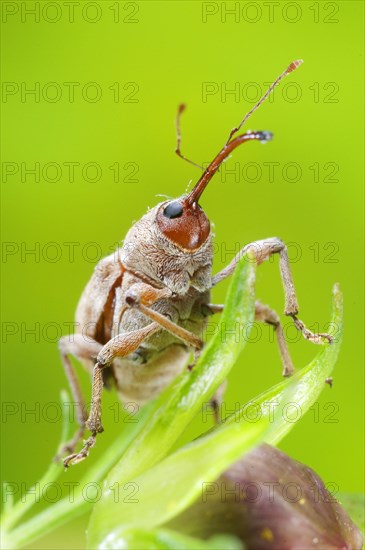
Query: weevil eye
[[173, 210]]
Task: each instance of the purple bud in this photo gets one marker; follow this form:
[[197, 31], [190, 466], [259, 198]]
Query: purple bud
[[270, 501]]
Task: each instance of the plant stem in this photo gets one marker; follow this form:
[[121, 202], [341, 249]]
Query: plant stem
[[64, 510], [15, 511]]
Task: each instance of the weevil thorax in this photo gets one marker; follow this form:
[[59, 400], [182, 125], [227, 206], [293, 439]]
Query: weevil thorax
[[172, 245]]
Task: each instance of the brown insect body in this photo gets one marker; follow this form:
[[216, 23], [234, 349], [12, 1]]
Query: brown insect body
[[147, 258], [145, 307]]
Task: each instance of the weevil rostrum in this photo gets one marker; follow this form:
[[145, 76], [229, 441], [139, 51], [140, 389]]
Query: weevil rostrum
[[145, 308]]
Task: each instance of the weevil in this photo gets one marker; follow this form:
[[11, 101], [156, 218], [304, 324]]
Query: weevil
[[144, 309]]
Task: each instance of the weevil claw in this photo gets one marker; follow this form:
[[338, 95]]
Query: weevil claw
[[315, 338], [68, 460], [75, 458]]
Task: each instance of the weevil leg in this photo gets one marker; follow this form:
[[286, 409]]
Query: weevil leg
[[82, 348], [137, 300], [267, 315], [216, 402], [215, 308], [180, 332], [263, 250], [119, 346], [196, 357]]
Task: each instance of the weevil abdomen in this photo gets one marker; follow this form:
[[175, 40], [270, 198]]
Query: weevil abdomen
[[139, 382]]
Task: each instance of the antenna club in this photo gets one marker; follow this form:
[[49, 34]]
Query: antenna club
[[294, 65], [266, 136]]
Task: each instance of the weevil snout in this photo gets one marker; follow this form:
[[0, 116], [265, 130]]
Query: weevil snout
[[182, 220]]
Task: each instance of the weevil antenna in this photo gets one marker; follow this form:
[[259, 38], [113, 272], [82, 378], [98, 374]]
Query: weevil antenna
[[264, 136], [294, 65], [180, 110]]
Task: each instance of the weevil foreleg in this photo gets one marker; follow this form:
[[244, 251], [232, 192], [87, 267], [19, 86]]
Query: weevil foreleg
[[138, 300], [82, 348], [119, 346], [263, 250]]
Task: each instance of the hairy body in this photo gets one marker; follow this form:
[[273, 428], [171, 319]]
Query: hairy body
[[145, 307], [147, 258]]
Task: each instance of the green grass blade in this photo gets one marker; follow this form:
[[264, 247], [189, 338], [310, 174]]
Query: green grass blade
[[178, 405], [179, 477], [354, 504], [170, 486], [62, 511], [159, 423], [166, 539], [310, 381]]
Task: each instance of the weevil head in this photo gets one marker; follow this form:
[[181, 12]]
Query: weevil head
[[172, 244], [184, 223]]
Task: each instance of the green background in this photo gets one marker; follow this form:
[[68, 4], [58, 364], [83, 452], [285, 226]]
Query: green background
[[160, 54]]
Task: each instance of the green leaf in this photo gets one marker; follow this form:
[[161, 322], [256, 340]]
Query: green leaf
[[178, 404], [165, 539], [354, 504], [310, 381], [174, 409], [160, 418], [168, 488], [63, 511], [16, 511]]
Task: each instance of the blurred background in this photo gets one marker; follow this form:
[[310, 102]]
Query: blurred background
[[90, 92]]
